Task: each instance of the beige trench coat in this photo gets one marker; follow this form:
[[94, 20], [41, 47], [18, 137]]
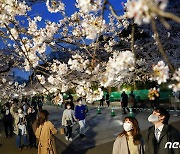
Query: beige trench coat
[[44, 134], [121, 146]]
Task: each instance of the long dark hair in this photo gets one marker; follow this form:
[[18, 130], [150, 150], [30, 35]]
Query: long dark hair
[[42, 117], [135, 131]]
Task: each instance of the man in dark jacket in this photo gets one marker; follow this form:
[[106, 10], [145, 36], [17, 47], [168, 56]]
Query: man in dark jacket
[[107, 99], [80, 114], [7, 120], [158, 135], [31, 117], [124, 99]]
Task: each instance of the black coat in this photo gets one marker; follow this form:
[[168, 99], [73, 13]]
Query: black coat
[[6, 117], [168, 134]]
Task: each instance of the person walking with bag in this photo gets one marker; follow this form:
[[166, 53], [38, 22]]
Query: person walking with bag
[[130, 140], [20, 129], [68, 119], [44, 133]]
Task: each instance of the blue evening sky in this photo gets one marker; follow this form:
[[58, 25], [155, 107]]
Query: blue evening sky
[[40, 9]]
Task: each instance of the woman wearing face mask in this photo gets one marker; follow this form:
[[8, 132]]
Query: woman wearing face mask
[[68, 119], [130, 140]]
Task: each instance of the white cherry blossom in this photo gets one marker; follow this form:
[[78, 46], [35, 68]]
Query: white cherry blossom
[[160, 72], [55, 6]]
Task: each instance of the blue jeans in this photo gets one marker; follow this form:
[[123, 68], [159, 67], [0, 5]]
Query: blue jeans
[[82, 126], [19, 139]]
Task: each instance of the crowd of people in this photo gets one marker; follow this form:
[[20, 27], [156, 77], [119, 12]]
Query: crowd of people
[[19, 118], [29, 123], [125, 100]]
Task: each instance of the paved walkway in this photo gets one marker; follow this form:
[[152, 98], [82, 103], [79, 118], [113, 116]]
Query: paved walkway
[[100, 128], [101, 131]]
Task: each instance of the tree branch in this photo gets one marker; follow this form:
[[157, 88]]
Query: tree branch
[[159, 44]]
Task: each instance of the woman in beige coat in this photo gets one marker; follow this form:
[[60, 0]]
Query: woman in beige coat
[[44, 133], [130, 140]]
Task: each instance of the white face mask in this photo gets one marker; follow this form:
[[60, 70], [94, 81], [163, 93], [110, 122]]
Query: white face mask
[[80, 102], [127, 126], [19, 111], [68, 107], [153, 118], [21, 115]]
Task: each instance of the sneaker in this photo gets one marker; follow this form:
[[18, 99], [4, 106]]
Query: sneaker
[[66, 138], [70, 139], [20, 149]]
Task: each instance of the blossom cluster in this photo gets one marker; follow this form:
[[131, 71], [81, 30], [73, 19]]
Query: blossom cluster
[[55, 6], [78, 63], [11, 88], [160, 72], [153, 93], [93, 26], [84, 89], [59, 68], [41, 79], [90, 26], [58, 99], [87, 6], [37, 44], [176, 78], [117, 66], [141, 10], [10, 9]]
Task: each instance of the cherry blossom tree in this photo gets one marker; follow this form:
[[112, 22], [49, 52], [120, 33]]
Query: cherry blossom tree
[[99, 53]]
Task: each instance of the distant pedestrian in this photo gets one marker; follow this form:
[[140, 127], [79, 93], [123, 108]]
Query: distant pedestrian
[[80, 114], [70, 97], [176, 100], [130, 140], [102, 101], [24, 106], [160, 133], [44, 133], [7, 120], [131, 100], [68, 119], [31, 117], [108, 99], [34, 104], [124, 101], [39, 103], [71, 104]]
